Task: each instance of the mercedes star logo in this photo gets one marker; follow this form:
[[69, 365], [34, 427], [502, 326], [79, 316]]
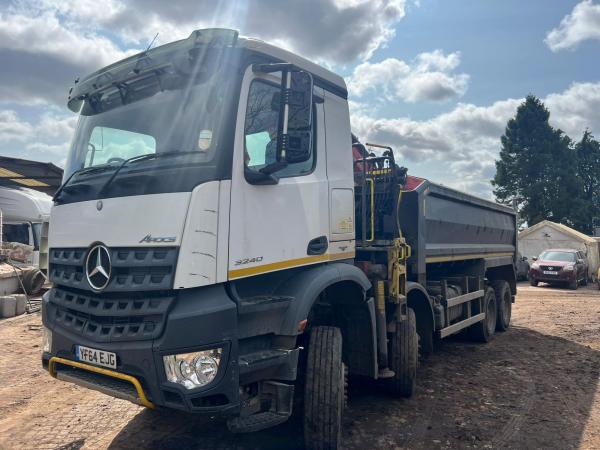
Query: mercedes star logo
[[98, 267]]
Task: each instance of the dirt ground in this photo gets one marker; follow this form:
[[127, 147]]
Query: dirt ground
[[535, 386]]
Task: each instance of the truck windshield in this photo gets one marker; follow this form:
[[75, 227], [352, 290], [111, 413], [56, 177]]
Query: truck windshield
[[180, 120], [186, 118]]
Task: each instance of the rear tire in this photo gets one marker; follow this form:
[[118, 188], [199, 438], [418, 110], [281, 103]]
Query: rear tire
[[484, 330], [404, 356], [324, 390], [504, 304]]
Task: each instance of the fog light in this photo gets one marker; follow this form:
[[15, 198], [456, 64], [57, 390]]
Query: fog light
[[46, 340], [194, 369]]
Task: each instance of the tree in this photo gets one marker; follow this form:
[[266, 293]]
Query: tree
[[537, 166], [588, 175]]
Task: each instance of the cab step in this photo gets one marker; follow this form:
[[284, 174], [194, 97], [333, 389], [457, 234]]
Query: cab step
[[281, 398], [256, 422]]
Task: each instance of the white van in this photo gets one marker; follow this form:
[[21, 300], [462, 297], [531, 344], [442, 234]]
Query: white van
[[23, 213]]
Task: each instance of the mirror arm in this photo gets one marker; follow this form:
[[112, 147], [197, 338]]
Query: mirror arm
[[260, 177]]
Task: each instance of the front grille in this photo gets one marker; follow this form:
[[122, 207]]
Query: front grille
[[551, 268], [133, 269], [109, 319]]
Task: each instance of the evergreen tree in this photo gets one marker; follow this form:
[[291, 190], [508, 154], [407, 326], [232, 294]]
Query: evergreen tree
[[537, 167], [588, 175]]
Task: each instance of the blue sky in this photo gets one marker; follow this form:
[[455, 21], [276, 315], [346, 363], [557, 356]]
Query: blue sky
[[436, 79]]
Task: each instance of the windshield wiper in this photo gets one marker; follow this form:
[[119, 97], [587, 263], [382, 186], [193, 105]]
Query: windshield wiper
[[83, 171], [138, 158]]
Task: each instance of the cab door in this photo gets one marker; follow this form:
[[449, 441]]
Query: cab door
[[283, 225]]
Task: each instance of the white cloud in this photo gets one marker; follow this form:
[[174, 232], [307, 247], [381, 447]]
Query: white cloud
[[466, 140], [429, 77], [339, 31], [46, 44], [42, 55], [46, 139], [582, 24]]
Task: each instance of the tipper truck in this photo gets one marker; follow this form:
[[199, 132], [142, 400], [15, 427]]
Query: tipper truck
[[222, 245]]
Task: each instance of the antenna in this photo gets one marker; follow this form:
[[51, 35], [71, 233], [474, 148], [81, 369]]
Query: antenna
[[152, 42]]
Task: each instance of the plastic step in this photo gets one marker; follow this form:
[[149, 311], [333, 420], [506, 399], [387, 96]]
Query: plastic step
[[263, 359], [256, 422], [262, 303]]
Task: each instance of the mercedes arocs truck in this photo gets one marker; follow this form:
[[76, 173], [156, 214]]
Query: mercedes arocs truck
[[220, 245]]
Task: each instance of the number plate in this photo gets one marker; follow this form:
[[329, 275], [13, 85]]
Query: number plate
[[94, 356], [550, 272]]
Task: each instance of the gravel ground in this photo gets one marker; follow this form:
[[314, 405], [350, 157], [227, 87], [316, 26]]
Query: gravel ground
[[534, 386]]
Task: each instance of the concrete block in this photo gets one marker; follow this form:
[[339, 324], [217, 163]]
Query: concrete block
[[21, 303], [8, 306], [9, 284]]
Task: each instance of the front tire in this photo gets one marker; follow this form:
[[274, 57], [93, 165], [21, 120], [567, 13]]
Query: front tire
[[324, 390], [533, 282], [573, 285], [484, 330], [504, 304], [404, 356]]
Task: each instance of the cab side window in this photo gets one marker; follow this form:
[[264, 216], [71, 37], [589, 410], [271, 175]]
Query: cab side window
[[261, 128]]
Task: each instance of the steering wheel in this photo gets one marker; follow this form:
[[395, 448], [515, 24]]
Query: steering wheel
[[115, 159]]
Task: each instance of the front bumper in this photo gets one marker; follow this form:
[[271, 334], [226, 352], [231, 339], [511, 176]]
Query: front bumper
[[198, 319], [562, 276]]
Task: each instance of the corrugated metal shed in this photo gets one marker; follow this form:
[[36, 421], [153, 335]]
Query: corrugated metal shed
[[545, 235]]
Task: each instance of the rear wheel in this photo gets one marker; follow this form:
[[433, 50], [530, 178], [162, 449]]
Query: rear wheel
[[483, 331], [504, 304], [324, 390], [404, 355]]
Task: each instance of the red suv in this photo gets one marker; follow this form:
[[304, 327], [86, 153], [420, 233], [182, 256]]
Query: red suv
[[559, 266]]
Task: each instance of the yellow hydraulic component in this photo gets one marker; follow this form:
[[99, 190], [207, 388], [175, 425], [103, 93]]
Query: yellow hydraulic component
[[370, 180], [380, 296], [109, 373], [397, 256]]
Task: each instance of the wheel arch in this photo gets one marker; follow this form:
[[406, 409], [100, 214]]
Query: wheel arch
[[419, 301], [336, 294]]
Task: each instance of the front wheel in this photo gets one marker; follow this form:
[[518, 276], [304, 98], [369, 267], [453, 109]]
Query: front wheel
[[324, 390], [533, 282], [573, 285], [404, 356]]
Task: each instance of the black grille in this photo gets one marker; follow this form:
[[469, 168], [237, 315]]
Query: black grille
[[551, 268], [109, 319], [133, 269]]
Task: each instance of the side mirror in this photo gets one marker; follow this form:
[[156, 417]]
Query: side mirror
[[294, 139], [535, 258]]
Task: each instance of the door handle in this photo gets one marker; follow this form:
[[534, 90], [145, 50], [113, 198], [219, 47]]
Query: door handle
[[317, 246]]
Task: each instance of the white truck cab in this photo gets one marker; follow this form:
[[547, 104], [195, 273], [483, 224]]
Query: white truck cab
[[205, 254], [24, 211]]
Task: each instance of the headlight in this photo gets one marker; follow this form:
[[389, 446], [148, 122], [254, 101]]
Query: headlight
[[194, 369], [46, 340], [568, 268]]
